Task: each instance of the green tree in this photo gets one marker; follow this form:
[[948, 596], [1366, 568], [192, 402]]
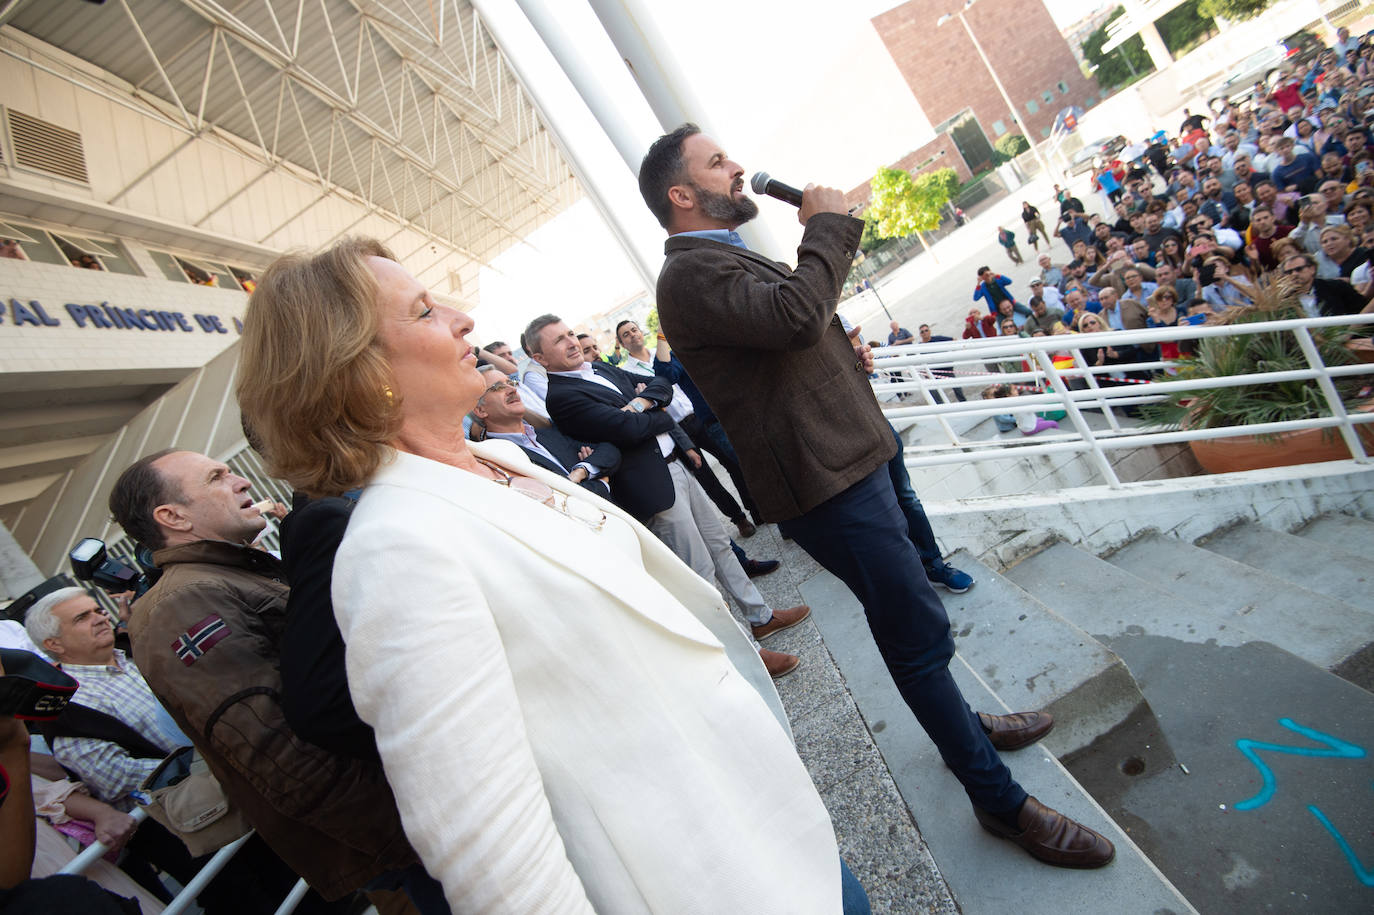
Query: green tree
[[1234, 10], [902, 205], [1123, 65], [651, 323], [1010, 146], [1184, 27]]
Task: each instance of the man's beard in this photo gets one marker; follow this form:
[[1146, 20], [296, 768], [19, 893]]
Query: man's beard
[[734, 211]]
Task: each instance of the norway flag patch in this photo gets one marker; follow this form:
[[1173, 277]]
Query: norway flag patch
[[192, 644]]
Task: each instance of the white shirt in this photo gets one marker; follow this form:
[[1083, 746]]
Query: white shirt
[[680, 407]]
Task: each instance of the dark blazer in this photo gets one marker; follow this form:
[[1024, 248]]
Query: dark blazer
[[592, 412], [315, 697], [604, 456], [764, 345], [1337, 297]]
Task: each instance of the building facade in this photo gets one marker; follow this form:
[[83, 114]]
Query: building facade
[[944, 72]]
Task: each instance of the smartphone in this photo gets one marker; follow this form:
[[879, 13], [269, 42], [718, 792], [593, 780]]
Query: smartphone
[[1197, 319]]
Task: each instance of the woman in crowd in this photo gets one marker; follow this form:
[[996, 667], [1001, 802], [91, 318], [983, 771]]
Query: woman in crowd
[[570, 718], [1170, 252], [1339, 254]]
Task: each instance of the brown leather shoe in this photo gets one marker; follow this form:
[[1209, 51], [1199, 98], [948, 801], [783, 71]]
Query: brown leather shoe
[[1048, 835], [777, 663], [1017, 730], [782, 619]]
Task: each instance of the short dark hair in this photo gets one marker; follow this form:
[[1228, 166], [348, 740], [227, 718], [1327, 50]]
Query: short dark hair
[[622, 324], [494, 344], [584, 336], [533, 343], [661, 168], [139, 490]]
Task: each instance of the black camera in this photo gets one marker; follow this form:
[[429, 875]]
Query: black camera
[[91, 563], [32, 689]]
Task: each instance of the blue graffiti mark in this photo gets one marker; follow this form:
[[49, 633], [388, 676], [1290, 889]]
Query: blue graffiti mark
[[1363, 874], [1337, 749]]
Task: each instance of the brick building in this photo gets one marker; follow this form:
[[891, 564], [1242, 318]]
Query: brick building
[[952, 86]]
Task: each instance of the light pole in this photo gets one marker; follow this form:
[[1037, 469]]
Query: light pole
[[1011, 107]]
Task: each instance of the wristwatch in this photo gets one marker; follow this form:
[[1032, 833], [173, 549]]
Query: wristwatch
[[636, 406]]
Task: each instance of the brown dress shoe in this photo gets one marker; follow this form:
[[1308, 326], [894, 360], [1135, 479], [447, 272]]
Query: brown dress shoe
[[1048, 835], [777, 663], [782, 619], [1017, 730], [745, 526]]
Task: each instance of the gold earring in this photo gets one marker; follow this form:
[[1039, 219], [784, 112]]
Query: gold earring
[[390, 397]]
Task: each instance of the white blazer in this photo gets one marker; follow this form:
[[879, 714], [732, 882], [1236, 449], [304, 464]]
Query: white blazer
[[571, 721]]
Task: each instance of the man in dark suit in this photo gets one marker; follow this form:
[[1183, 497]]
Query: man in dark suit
[[601, 403], [501, 412], [1320, 298], [764, 344]]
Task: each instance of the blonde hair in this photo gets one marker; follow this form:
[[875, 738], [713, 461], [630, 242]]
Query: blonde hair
[[314, 384], [1084, 315]]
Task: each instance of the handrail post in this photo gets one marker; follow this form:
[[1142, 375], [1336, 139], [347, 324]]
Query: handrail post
[[1333, 397], [1070, 407], [1091, 379]]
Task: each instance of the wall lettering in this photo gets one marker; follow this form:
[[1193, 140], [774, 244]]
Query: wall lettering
[[116, 317]]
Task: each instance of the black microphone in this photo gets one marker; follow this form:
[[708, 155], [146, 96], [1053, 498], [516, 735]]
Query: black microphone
[[762, 183]]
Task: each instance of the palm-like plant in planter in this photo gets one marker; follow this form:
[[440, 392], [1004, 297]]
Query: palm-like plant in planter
[[1206, 407]]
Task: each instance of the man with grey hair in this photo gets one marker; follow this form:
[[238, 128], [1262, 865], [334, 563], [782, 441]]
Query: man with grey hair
[[75, 632]]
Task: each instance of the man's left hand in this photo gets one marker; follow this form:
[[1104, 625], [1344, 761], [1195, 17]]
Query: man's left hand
[[694, 457], [578, 474], [862, 351]]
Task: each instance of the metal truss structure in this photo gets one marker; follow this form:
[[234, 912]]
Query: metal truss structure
[[406, 107]]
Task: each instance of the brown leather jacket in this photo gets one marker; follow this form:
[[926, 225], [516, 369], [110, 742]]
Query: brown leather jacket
[[206, 638]]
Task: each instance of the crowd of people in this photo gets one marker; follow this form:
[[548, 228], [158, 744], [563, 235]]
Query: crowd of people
[[491, 667], [1276, 190]]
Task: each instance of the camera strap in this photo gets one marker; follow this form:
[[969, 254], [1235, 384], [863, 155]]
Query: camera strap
[[82, 721]]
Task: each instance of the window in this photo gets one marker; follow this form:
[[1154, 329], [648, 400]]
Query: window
[[1045, 132], [169, 266], [23, 242], [1032, 106], [1048, 97], [999, 128], [1063, 87]]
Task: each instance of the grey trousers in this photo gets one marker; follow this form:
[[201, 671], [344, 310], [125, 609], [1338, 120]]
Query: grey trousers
[[694, 532]]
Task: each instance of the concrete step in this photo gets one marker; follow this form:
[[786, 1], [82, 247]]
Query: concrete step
[[1107, 601], [1032, 658], [1322, 630], [1336, 571], [983, 873], [1344, 532], [1266, 809]]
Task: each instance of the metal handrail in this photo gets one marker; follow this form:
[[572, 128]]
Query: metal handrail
[[1042, 373], [92, 853]]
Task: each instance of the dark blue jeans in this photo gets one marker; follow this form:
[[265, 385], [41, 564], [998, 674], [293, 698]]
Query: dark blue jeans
[[917, 524], [860, 537], [853, 899]]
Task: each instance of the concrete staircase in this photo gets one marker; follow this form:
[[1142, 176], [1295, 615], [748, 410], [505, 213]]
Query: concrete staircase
[[1212, 698]]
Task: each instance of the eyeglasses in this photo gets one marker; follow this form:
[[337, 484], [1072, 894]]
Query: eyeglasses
[[1289, 271], [503, 383]]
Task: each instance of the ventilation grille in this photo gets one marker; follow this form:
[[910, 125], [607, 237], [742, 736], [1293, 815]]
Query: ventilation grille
[[47, 148]]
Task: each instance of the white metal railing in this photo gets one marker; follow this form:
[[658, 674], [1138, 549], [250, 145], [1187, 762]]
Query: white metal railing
[[928, 368], [92, 853]]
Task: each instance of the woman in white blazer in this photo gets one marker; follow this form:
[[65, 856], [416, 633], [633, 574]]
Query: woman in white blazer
[[570, 718]]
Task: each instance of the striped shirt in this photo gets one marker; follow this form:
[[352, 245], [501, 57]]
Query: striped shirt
[[118, 690]]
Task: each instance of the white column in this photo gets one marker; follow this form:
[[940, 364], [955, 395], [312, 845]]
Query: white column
[[18, 573], [1137, 15], [571, 124], [666, 87]]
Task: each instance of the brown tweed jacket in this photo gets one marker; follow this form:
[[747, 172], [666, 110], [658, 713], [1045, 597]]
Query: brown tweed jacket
[[765, 347]]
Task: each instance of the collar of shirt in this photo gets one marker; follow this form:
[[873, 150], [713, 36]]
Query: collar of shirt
[[585, 373], [118, 664], [526, 438], [724, 236]]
